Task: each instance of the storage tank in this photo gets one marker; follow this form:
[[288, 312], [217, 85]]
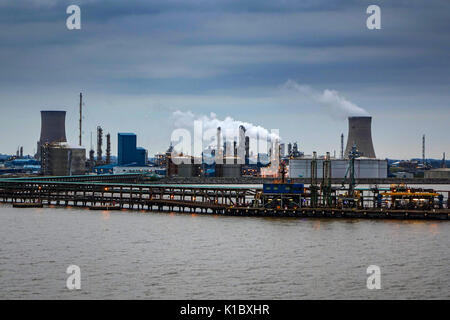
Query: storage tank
[[186, 170], [61, 160], [231, 170], [364, 168]]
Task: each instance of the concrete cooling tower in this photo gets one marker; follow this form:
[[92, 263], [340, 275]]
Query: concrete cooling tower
[[360, 133], [53, 127]]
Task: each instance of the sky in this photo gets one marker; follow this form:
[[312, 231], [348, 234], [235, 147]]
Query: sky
[[300, 67]]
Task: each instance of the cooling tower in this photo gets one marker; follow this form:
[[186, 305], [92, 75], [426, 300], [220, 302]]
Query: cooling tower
[[53, 127], [360, 133]]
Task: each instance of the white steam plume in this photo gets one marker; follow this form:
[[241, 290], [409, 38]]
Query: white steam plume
[[332, 100], [229, 127], [186, 120]]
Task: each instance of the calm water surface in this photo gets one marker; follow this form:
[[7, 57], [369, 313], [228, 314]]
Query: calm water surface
[[141, 255]]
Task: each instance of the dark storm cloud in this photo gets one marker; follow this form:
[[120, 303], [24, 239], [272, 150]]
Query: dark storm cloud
[[178, 35], [237, 48]]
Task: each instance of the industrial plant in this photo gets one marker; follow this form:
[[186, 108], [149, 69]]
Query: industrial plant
[[226, 158], [287, 182], [57, 157]]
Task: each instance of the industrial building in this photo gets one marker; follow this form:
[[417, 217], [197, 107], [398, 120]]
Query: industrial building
[[131, 169], [232, 170], [20, 166], [227, 160], [128, 152], [403, 175], [187, 167], [364, 168], [441, 173], [59, 159], [188, 170], [184, 166]]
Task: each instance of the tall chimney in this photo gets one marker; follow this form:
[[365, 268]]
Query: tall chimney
[[360, 134], [81, 120], [99, 144], [241, 147], [218, 153], [247, 149], [108, 148], [424, 160]]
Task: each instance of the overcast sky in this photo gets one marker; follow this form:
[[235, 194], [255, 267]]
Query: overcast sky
[[137, 62]]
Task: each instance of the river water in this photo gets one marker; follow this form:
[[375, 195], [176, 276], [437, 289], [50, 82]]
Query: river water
[[147, 255]]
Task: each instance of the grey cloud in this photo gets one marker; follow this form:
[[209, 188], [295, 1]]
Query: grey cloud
[[226, 51]]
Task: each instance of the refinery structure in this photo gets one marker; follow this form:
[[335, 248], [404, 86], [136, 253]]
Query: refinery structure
[[278, 181], [57, 157], [225, 158], [367, 166]]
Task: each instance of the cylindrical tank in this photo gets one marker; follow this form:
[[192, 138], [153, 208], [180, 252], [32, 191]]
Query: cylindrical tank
[[360, 134], [61, 160], [53, 127], [231, 170]]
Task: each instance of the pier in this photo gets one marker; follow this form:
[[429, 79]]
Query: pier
[[118, 193]]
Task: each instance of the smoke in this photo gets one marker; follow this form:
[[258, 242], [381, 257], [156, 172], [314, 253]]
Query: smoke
[[331, 100], [229, 127]]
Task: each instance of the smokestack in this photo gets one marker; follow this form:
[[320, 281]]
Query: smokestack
[[219, 139], [247, 149], [99, 144], [91, 157], [53, 127], [108, 148], [360, 134], [218, 153], [423, 151], [81, 120], [242, 146], [342, 146]]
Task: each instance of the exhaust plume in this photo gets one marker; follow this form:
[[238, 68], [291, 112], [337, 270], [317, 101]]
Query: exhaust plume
[[332, 100], [229, 128], [228, 125]]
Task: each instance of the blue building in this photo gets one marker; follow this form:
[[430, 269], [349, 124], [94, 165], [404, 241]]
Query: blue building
[[128, 153], [141, 155]]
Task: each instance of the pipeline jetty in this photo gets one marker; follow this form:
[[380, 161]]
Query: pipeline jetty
[[130, 192]]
